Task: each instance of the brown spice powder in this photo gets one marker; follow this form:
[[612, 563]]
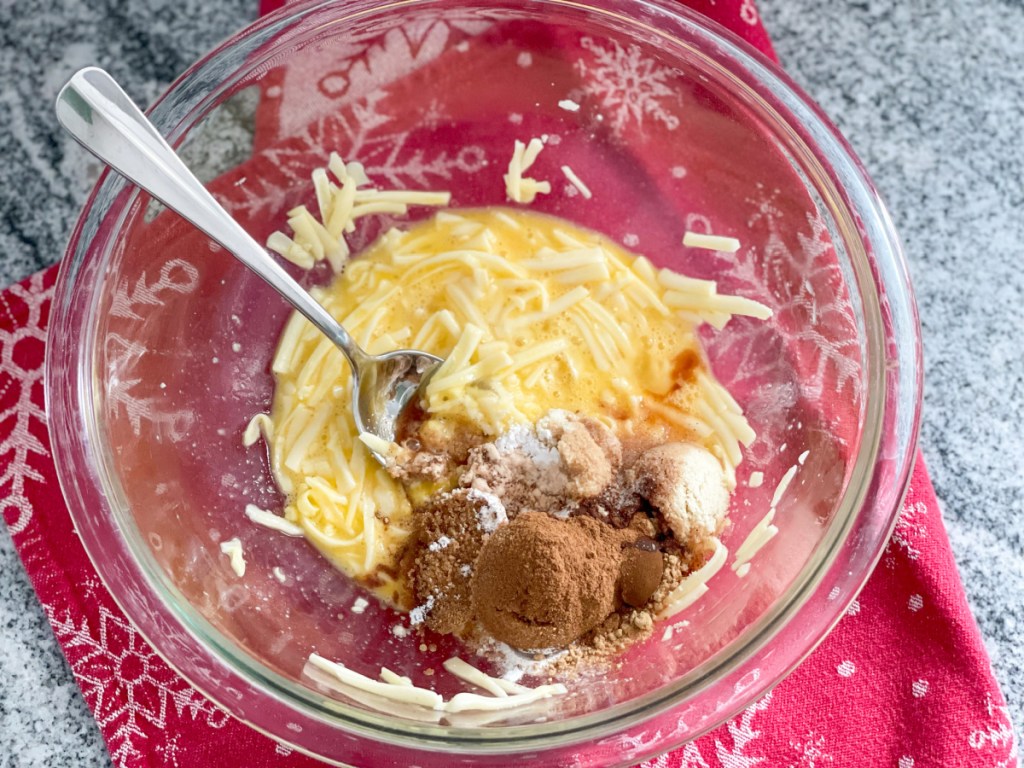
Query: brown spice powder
[[448, 540], [542, 582]]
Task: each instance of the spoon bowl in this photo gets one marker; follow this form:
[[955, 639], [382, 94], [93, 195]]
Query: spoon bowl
[[101, 117], [386, 385]]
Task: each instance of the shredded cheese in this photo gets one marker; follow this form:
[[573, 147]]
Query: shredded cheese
[[474, 676], [233, 549], [396, 688], [761, 534], [695, 585], [783, 485], [764, 531], [520, 188], [577, 182], [339, 207], [259, 426], [711, 242], [407, 694], [270, 520], [379, 445], [391, 678]]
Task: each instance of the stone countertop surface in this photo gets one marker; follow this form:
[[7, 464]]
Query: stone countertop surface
[[929, 93]]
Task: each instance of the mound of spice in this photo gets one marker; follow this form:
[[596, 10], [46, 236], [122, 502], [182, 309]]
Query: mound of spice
[[551, 539], [541, 582]]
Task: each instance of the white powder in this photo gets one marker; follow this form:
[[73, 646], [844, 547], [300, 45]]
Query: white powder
[[537, 446], [491, 514], [441, 543], [524, 469], [419, 614], [513, 665], [360, 605]]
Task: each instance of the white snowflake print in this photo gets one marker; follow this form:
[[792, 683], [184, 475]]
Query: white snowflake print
[[353, 67], [742, 734], [364, 133], [176, 276], [837, 349], [628, 86], [810, 752], [691, 758], [127, 686], [906, 537], [641, 742], [812, 323], [20, 443], [997, 735], [434, 115], [132, 301], [169, 750]]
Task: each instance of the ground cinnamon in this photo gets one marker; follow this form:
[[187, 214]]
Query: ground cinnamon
[[541, 582]]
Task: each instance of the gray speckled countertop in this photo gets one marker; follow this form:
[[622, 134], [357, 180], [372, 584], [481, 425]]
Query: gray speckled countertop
[[930, 94]]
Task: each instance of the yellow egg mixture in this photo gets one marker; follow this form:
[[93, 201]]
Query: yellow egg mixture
[[530, 313]]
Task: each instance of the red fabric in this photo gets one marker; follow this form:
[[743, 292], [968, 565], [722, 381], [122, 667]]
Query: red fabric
[[902, 681]]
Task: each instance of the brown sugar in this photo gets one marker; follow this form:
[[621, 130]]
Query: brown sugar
[[590, 453], [450, 530]]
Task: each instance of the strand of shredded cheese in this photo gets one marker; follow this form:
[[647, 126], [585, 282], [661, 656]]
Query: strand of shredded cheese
[[711, 242], [236, 557], [765, 531], [695, 586], [339, 207], [577, 182], [520, 188], [272, 521], [398, 689]]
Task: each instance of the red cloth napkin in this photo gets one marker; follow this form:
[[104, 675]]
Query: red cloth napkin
[[902, 681]]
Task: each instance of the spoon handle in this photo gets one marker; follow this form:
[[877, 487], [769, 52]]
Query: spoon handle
[[94, 109]]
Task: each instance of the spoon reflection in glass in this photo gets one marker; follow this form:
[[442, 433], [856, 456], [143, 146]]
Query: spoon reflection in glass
[[94, 109]]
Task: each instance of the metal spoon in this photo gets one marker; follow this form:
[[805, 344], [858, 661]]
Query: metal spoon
[[94, 109]]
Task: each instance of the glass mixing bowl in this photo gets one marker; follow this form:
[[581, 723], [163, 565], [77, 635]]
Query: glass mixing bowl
[[160, 345]]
